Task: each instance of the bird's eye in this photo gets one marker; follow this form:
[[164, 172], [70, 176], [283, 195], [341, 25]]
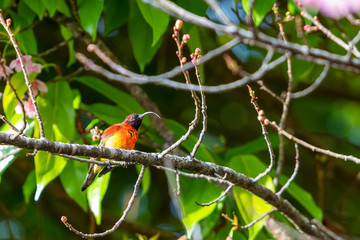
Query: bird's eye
[[132, 118]]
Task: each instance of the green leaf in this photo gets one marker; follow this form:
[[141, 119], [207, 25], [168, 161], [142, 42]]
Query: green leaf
[[260, 9], [108, 113], [122, 99], [116, 13], [77, 99], [140, 32], [36, 6], [191, 193], [6, 149], [72, 178], [27, 42], [146, 181], [157, 19], [9, 99], [250, 206], [67, 34], [29, 186], [254, 146], [59, 125], [50, 5], [303, 197], [95, 193], [89, 12]]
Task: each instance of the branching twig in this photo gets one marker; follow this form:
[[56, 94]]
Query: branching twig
[[297, 163], [117, 224], [328, 33], [6, 25], [217, 199], [8, 81], [261, 118], [53, 49], [313, 86], [257, 220]]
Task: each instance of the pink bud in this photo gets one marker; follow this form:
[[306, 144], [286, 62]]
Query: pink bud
[[91, 47], [178, 24], [186, 38], [199, 57], [8, 22], [64, 219], [288, 13], [92, 131], [197, 50], [183, 60]]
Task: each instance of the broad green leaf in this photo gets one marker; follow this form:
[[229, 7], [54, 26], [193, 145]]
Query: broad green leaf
[[27, 42], [6, 149], [77, 98], [250, 206], [122, 99], [260, 9], [63, 7], [6, 162], [146, 181], [59, 125], [72, 178], [203, 153], [191, 193], [89, 12], [254, 146], [139, 33], [212, 220], [9, 99], [67, 34], [50, 6], [196, 7], [36, 6], [4, 3], [116, 13], [157, 19], [108, 113], [303, 197], [29, 186], [95, 194]]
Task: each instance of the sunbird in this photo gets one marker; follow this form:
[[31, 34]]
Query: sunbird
[[120, 135]]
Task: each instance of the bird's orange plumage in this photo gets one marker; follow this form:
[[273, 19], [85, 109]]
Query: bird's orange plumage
[[121, 135]]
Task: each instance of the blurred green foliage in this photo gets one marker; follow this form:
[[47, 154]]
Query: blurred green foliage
[[35, 194]]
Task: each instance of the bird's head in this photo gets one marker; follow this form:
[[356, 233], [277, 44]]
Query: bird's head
[[135, 120]]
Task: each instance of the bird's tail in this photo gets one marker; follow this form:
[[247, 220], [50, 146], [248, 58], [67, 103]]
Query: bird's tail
[[89, 178]]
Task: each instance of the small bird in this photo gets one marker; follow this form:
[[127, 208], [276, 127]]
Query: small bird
[[121, 135]]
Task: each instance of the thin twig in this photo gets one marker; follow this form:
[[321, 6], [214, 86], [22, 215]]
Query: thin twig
[[2, 117], [257, 220], [180, 44], [117, 224], [8, 81], [286, 103], [293, 175], [178, 186], [313, 86], [12, 152], [26, 75], [214, 5], [261, 118], [328, 33], [217, 199], [314, 148], [269, 91], [54, 49], [204, 115], [90, 65], [325, 230]]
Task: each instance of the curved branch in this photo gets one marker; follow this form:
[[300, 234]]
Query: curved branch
[[185, 163]]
